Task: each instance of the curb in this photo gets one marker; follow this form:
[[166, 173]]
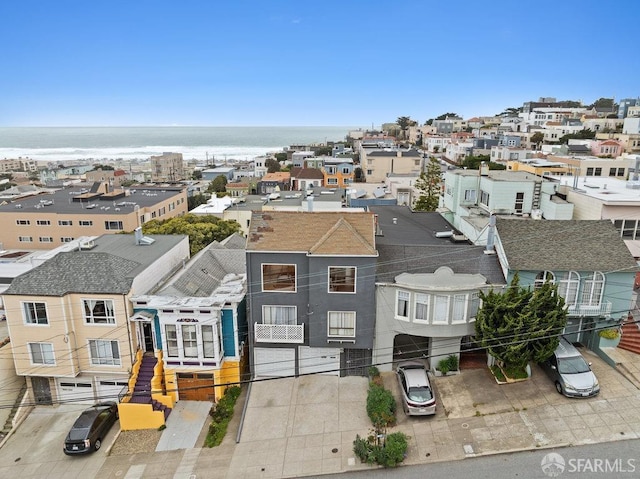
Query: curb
[[113, 443]]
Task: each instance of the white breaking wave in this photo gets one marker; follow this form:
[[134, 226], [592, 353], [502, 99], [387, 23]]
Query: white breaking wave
[[200, 153]]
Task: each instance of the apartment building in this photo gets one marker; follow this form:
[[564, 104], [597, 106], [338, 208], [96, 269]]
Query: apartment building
[[47, 220], [168, 167]]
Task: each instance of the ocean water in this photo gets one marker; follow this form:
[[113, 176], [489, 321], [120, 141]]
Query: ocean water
[[139, 143]]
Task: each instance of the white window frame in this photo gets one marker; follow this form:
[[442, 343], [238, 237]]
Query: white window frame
[[113, 225], [345, 268], [474, 305], [421, 302], [23, 222], [45, 239], [27, 313], [43, 222], [440, 301], [208, 343], [405, 297], [341, 324], [25, 239], [484, 198], [270, 314], [569, 286], [171, 339], [470, 196], [65, 222], [593, 289], [544, 277], [459, 308], [189, 334], [46, 361], [85, 223], [110, 319], [110, 348]]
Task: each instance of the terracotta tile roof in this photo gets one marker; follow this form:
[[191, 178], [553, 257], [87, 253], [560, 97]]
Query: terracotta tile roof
[[277, 176], [318, 233]]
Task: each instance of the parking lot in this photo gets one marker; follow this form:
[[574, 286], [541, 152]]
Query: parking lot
[[35, 448]]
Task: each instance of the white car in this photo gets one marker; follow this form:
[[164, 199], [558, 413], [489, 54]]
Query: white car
[[418, 398]]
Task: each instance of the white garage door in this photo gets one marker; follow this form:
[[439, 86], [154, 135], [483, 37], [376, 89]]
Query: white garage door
[[109, 388], [75, 391], [319, 360], [274, 361]]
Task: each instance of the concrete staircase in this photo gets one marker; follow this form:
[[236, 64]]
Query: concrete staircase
[[142, 389], [630, 339], [8, 425]]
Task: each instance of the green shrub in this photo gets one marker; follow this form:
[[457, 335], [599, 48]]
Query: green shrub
[[450, 363], [443, 366], [373, 372], [609, 333], [389, 454], [381, 406], [221, 413]]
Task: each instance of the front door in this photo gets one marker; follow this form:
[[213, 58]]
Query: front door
[[146, 331], [41, 390]]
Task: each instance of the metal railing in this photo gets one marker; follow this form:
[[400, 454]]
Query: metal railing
[[279, 333], [583, 309]]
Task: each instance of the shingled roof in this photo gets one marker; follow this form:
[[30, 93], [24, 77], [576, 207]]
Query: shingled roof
[[322, 233], [567, 245]]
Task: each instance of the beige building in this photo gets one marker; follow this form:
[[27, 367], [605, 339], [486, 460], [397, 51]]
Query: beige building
[[114, 178], [69, 317], [168, 167], [46, 221], [18, 165], [378, 164]]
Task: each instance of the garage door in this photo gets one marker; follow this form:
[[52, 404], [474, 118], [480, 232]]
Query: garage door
[[319, 360], [110, 388], [274, 361], [75, 391], [196, 387]]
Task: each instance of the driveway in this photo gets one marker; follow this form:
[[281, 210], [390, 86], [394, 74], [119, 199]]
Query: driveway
[[301, 426], [35, 448]]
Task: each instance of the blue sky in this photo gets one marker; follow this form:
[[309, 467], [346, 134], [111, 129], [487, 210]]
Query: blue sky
[[305, 62]]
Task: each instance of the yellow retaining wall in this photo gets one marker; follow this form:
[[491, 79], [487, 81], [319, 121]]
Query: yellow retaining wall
[[171, 383], [139, 416], [157, 383], [229, 372]]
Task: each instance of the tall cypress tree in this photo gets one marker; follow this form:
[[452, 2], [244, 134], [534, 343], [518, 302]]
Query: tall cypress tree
[[519, 325]]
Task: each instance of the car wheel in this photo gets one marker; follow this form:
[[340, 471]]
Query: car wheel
[[97, 445], [558, 387]]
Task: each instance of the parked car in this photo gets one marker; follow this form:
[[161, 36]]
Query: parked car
[[570, 372], [90, 428], [418, 398]]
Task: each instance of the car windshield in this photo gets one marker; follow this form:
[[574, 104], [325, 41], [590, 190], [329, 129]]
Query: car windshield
[[78, 434], [420, 394], [573, 365]]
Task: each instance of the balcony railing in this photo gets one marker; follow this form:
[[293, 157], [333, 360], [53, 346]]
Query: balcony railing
[[279, 333], [581, 309]]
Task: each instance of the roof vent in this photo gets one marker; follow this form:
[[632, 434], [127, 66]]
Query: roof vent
[[86, 245], [142, 240]]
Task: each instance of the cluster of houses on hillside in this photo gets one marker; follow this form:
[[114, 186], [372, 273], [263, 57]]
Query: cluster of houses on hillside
[[325, 277]]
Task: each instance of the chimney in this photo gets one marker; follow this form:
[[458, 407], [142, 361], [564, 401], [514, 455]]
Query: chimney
[[484, 169], [491, 236], [138, 234]]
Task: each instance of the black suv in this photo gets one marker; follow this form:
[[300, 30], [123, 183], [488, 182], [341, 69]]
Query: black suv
[[90, 428]]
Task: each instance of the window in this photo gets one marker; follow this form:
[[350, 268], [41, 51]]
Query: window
[[474, 306], [43, 222], [369, 172], [41, 353], [189, 341], [345, 171], [35, 313], [65, 223], [589, 171], [421, 312], [332, 181], [85, 223], [402, 305], [172, 340], [208, 349], [543, 277], [459, 308], [99, 311], [279, 315], [613, 171], [470, 196], [568, 287], [23, 222], [25, 239], [597, 172], [342, 323], [519, 202], [592, 290], [441, 309], [162, 211], [342, 279], [66, 239], [113, 225], [45, 239], [104, 353], [279, 277], [484, 198]]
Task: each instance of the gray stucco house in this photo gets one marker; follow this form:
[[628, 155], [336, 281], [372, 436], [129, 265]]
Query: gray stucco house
[[311, 292]]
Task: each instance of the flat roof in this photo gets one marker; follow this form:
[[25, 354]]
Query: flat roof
[[62, 201]]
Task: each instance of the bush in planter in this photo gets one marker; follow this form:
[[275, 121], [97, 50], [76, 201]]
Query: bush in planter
[[381, 406], [609, 333], [450, 363], [389, 454]]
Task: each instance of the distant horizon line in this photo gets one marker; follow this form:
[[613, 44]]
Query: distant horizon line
[[180, 126]]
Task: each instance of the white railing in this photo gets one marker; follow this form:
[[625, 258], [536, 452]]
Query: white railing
[[279, 333], [601, 309]]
